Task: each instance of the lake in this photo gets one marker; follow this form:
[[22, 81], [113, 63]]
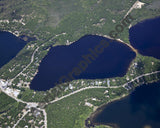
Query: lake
[[141, 109], [10, 45], [60, 63], [145, 37], [138, 110]]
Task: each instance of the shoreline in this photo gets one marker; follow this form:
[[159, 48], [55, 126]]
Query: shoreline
[[16, 33], [23, 37], [105, 36], [121, 41], [101, 107], [117, 41]]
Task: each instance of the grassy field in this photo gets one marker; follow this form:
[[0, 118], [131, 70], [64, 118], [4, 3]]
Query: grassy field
[[72, 111]]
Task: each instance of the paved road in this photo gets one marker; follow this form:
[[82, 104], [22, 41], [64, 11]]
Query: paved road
[[24, 114], [45, 116], [134, 5], [34, 104], [82, 89], [92, 87], [32, 59], [147, 74]]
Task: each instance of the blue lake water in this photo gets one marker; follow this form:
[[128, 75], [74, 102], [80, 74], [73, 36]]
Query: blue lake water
[[138, 110], [145, 37], [61, 60], [141, 109], [10, 45]]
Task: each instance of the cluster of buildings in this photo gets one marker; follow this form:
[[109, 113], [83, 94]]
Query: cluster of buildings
[[5, 88]]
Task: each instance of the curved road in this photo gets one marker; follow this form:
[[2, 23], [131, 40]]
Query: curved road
[[91, 87], [32, 59], [35, 104]]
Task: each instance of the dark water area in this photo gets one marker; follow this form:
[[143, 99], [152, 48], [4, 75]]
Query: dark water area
[[10, 45], [138, 110], [145, 37], [61, 60]]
